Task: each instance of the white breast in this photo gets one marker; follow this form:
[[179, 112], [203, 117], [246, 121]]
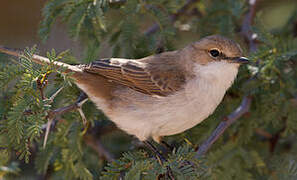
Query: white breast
[[145, 116]]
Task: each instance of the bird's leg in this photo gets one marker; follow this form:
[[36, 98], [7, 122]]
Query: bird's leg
[[161, 158]]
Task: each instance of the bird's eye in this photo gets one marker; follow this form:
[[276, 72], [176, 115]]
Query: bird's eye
[[214, 52]]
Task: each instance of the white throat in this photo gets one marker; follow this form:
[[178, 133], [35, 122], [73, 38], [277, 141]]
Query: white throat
[[217, 76]]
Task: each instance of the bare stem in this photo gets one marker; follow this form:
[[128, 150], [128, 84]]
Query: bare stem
[[51, 99], [231, 118], [89, 139], [246, 30], [48, 128]]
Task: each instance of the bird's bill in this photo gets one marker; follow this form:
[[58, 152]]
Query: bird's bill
[[239, 60]]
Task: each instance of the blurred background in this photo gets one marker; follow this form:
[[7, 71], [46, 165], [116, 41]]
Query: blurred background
[[20, 23]]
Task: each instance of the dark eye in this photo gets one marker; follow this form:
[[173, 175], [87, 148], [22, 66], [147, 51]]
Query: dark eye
[[214, 52]]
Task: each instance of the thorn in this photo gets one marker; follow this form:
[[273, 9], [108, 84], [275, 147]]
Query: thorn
[[79, 109], [51, 99], [48, 127], [83, 117], [79, 104]]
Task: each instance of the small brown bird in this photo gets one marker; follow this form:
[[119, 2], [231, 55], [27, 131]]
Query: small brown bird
[[162, 94]]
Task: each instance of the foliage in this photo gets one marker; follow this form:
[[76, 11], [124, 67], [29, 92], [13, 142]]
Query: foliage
[[260, 145], [140, 165]]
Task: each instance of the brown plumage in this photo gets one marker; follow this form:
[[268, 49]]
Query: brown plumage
[[147, 75], [160, 74]]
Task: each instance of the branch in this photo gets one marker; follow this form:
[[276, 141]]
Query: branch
[[247, 100], [39, 59], [95, 144], [154, 28], [230, 119], [81, 99], [246, 30]]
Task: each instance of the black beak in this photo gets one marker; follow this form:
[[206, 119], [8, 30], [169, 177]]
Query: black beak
[[239, 60]]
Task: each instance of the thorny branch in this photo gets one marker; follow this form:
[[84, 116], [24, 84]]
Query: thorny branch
[[54, 113], [89, 139], [244, 107], [39, 59], [41, 85]]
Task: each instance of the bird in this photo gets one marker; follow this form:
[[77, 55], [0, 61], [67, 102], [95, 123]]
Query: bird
[[166, 93], [162, 94]]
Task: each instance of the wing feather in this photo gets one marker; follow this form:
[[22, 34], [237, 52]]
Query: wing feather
[[138, 75]]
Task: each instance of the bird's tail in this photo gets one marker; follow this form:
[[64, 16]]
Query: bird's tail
[[40, 60]]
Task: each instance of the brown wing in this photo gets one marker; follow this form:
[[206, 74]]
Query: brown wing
[[140, 76]]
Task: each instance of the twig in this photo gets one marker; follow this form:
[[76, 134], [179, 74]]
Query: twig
[[82, 99], [51, 99], [39, 59], [62, 110], [247, 24], [48, 128], [275, 138], [247, 100], [49, 119], [41, 84], [241, 110], [89, 139], [263, 133], [154, 28], [84, 119]]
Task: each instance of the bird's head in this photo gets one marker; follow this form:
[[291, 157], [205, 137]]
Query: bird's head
[[216, 48]]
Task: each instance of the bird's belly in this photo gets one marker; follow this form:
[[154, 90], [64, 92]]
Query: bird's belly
[[155, 117], [146, 116]]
